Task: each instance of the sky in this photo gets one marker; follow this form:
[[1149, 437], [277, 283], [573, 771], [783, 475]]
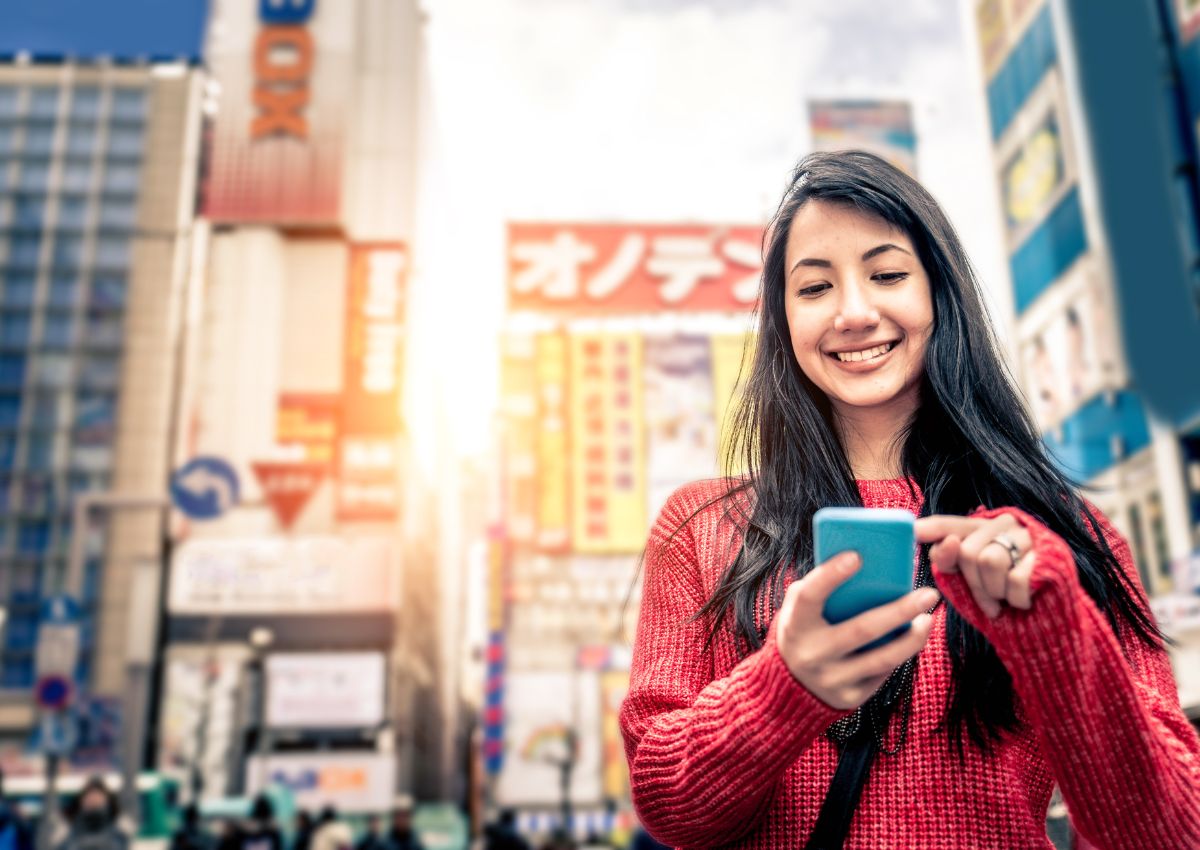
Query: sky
[[659, 110], [127, 29]]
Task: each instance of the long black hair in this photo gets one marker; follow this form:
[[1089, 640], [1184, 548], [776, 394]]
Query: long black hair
[[971, 442]]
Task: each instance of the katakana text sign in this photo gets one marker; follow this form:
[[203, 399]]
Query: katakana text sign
[[632, 268]]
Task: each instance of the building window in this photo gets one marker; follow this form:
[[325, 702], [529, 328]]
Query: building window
[[29, 212], [12, 370], [6, 140], [24, 250], [68, 251], [129, 104], [104, 330], [99, 372], [39, 140], [35, 175], [64, 289], [40, 454], [33, 537], [8, 450], [85, 102], [81, 139], [77, 175], [72, 212], [118, 213], [95, 419], [48, 409], [52, 370], [121, 179], [125, 142], [15, 329], [43, 101], [108, 292], [8, 102], [18, 290], [57, 331], [112, 252], [10, 415]]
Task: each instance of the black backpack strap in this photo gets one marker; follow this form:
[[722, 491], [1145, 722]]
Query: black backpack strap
[[854, 764]]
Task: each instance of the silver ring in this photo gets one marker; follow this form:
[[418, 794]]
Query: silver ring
[[1014, 551]]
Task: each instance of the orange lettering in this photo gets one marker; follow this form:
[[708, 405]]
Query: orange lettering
[[281, 113], [267, 69]]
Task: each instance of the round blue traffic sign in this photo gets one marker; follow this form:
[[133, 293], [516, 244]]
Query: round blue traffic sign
[[204, 488], [53, 692]]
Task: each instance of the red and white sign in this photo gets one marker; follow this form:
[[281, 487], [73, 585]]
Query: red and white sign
[[282, 71], [307, 423], [326, 690], [287, 487], [367, 485], [632, 268], [374, 340]]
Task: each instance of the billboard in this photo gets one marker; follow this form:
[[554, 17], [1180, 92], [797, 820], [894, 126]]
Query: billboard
[[553, 481], [353, 783], [282, 575], [281, 74], [632, 268], [325, 690], [306, 426], [884, 128]]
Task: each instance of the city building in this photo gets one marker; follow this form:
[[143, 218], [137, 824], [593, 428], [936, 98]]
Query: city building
[[1096, 167], [98, 162]]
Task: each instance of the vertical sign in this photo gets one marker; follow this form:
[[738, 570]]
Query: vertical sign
[[553, 501], [519, 391], [608, 478], [283, 69], [493, 710], [371, 387], [732, 358]]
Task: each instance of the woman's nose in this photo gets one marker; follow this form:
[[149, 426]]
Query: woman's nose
[[855, 311]]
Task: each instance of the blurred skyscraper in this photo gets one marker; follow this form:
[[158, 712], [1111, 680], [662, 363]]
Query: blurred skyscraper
[[1095, 160]]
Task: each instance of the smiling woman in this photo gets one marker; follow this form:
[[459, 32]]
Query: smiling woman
[[876, 382]]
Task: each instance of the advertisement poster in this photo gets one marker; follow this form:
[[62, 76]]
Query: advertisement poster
[[278, 135], [732, 358], [681, 431], [553, 481], [354, 783], [613, 687], [325, 690], [1033, 179], [608, 501], [519, 410], [543, 709], [570, 269], [884, 128]]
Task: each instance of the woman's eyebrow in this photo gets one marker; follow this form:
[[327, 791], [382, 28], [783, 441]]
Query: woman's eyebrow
[[825, 264]]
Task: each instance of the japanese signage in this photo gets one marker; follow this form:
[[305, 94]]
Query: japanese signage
[[325, 690], [608, 471], [282, 71], [519, 390], [350, 782], [884, 128], [493, 687], [681, 438], [287, 487], [553, 496], [308, 425], [630, 268], [374, 339], [281, 575], [367, 485]]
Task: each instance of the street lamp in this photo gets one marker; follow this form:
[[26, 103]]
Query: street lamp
[[260, 640]]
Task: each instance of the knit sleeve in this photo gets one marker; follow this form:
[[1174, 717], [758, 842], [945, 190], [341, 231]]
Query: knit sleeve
[[704, 755], [1106, 709]]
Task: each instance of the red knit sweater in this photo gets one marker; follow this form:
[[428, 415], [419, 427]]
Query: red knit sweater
[[731, 751]]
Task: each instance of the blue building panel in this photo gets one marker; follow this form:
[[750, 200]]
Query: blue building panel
[[1100, 434], [1049, 251], [1020, 74]]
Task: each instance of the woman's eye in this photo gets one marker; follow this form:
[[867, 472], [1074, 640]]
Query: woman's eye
[[890, 277], [810, 291]]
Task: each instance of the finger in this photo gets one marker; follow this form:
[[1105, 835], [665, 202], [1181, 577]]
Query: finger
[[944, 555], [1017, 592], [968, 566], [992, 560], [809, 593], [853, 634], [884, 659], [931, 529]]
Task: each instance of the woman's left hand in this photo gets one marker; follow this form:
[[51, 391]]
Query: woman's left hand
[[995, 556]]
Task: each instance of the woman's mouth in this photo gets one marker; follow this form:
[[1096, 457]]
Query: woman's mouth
[[865, 354]]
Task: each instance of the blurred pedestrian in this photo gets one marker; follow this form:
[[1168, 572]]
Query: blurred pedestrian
[[503, 834], [261, 832], [876, 381], [302, 840], [331, 833], [191, 834], [230, 836], [93, 817], [401, 835], [15, 833]]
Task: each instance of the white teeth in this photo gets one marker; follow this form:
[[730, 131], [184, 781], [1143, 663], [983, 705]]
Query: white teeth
[[867, 354]]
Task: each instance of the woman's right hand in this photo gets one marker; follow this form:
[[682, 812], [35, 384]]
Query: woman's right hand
[[822, 656]]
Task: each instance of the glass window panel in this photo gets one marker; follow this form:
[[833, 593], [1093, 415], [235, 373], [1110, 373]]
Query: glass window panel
[[129, 103], [35, 493], [85, 102], [104, 330], [81, 138], [52, 370], [92, 458], [43, 101], [15, 329], [112, 252], [29, 211], [6, 139], [95, 419], [24, 249], [72, 212], [17, 673], [39, 140], [77, 175], [57, 330], [33, 536], [49, 409], [35, 174], [64, 289], [8, 449], [118, 212], [12, 370], [121, 178], [39, 451], [99, 372], [125, 141], [68, 251], [8, 101], [108, 291], [10, 412], [18, 290]]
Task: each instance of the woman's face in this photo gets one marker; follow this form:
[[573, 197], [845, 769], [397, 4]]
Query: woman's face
[[859, 307]]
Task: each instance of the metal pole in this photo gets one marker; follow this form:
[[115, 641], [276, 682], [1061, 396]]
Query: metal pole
[[84, 503], [45, 836]]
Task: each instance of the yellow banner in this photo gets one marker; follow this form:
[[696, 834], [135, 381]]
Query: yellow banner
[[608, 478], [613, 687], [518, 388], [553, 501], [727, 354]]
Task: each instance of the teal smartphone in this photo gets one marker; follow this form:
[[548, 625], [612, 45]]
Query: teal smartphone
[[885, 540]]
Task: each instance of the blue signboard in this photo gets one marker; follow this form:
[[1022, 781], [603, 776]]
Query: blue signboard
[[205, 488]]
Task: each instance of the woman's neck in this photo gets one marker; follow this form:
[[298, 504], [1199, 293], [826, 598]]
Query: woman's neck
[[869, 437]]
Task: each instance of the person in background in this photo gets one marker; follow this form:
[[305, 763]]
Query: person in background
[[371, 839], [503, 835], [93, 818], [401, 835], [14, 832], [261, 832], [304, 830], [331, 833], [191, 834]]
